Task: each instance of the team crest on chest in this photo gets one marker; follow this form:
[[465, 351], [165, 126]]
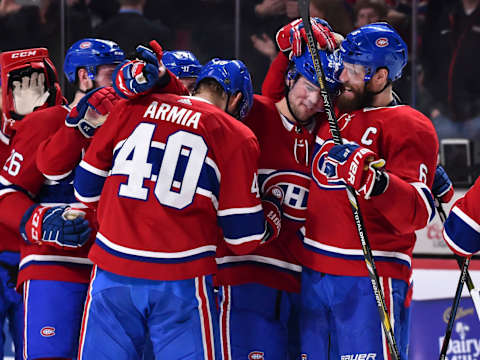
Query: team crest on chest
[[295, 186]]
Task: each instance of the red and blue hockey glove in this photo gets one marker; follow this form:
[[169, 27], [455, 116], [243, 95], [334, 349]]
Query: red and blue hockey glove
[[442, 187], [293, 37], [357, 166], [272, 202], [135, 77], [58, 226], [92, 110]]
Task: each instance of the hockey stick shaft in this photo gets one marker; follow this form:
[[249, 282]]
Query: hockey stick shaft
[[474, 293], [337, 138], [453, 311]]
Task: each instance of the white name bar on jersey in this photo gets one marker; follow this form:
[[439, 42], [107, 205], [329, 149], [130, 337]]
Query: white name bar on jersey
[[174, 114]]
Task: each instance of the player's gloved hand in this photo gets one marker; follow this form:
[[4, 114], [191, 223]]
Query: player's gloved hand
[[30, 93], [292, 36], [92, 110], [272, 202], [59, 226], [135, 77], [442, 187], [357, 166]]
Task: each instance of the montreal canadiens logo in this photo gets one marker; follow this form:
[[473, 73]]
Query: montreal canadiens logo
[[381, 42], [47, 331], [85, 45], [295, 187], [256, 355]]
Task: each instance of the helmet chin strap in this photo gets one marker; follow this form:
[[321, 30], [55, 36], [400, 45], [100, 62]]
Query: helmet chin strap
[[369, 95]]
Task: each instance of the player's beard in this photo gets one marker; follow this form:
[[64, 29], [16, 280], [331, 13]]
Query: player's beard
[[358, 99]]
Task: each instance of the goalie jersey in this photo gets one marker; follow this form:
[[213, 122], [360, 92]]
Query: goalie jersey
[[284, 161], [407, 141], [166, 171]]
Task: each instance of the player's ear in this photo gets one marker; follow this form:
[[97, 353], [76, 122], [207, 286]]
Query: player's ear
[[379, 79], [234, 103]]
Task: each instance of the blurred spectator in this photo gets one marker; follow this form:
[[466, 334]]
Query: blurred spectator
[[129, 27], [370, 11], [20, 26], [451, 47], [102, 10], [76, 21], [335, 12]]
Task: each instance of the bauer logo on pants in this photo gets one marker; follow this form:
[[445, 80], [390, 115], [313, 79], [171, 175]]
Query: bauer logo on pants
[[256, 355], [47, 331]]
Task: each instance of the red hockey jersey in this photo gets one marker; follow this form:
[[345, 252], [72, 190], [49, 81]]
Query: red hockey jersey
[[23, 184], [462, 227], [407, 141], [285, 150], [166, 171]]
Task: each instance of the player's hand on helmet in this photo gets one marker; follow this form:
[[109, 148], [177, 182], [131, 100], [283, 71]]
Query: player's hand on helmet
[[442, 187], [135, 77], [92, 110], [272, 202], [59, 226], [292, 37], [356, 166], [29, 93]]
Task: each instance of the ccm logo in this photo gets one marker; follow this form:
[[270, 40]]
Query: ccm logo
[[24, 54], [256, 355], [47, 331]]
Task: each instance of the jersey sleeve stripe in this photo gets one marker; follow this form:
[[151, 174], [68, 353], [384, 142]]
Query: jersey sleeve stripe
[[92, 169], [57, 177], [462, 233], [238, 229], [88, 186], [240, 211], [427, 198]]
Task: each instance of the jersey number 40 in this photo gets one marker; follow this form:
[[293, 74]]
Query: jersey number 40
[[171, 188]]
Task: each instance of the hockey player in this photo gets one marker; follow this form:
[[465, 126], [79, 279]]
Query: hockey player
[[259, 291], [23, 91], [54, 269], [89, 64], [389, 158], [184, 65], [461, 229], [174, 163]]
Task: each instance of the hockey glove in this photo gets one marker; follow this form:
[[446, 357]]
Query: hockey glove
[[357, 166], [442, 187], [135, 77], [292, 36], [272, 202], [92, 110], [58, 226], [30, 93]]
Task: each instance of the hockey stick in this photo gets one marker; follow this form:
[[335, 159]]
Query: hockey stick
[[474, 293], [303, 6], [453, 311]]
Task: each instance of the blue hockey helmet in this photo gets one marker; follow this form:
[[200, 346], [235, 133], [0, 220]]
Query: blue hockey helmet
[[89, 53], [234, 77], [375, 46], [331, 64], [181, 63]]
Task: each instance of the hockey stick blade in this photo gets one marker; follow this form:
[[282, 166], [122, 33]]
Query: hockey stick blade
[[304, 8]]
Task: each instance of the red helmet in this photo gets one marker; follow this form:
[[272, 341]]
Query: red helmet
[[18, 63]]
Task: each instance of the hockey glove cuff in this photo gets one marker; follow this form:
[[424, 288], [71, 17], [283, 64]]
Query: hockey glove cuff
[[59, 226], [442, 187]]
